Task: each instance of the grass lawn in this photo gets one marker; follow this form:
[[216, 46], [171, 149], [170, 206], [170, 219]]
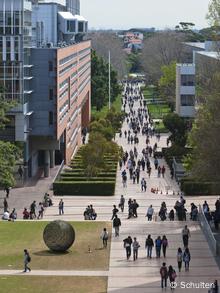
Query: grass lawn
[[158, 111], [149, 93], [17, 236], [102, 113], [56, 284]]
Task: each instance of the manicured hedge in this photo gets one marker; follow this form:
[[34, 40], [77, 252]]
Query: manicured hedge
[[200, 188], [90, 179], [76, 174], [84, 188]]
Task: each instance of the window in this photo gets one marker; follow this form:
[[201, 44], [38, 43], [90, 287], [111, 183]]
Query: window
[[50, 118], [187, 80], [50, 94], [187, 100], [80, 27], [71, 26], [50, 66]]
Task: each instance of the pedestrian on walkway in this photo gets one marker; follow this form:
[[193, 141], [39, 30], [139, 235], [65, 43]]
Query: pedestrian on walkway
[[158, 244], [164, 275], [136, 246], [7, 190], [150, 212], [172, 277], [127, 245], [104, 237], [143, 184], [122, 203], [5, 204], [135, 206], [149, 244], [33, 210], [185, 236], [61, 207], [186, 259], [179, 258], [163, 170], [164, 245], [114, 212], [116, 225], [215, 288], [27, 260]]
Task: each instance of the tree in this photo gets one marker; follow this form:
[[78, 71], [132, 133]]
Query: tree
[[214, 13], [167, 83], [100, 82], [159, 50], [178, 128]]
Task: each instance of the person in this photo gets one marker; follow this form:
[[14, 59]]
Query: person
[[185, 236], [61, 207], [116, 225], [7, 190], [13, 215], [179, 258], [136, 246], [158, 243], [186, 258], [127, 245], [171, 215], [32, 210], [164, 245], [149, 244], [134, 208], [104, 237], [27, 260], [5, 216], [40, 211], [5, 203], [114, 212], [150, 213], [20, 172], [215, 287], [164, 275], [172, 276], [26, 214], [122, 203], [163, 171]]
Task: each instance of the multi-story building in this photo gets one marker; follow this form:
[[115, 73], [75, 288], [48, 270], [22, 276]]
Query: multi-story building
[[186, 99], [45, 67]]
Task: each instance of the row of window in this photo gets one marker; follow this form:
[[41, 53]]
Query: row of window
[[63, 83], [187, 80], [67, 59], [64, 70], [84, 83]]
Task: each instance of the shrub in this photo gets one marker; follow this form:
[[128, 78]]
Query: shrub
[[84, 188], [192, 187]]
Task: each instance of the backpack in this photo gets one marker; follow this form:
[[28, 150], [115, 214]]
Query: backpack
[[173, 275], [163, 272]]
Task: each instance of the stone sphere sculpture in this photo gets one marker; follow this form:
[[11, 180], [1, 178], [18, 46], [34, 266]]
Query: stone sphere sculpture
[[59, 236]]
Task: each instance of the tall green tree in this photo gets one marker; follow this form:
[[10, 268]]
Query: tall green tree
[[100, 82], [214, 13], [8, 151], [167, 83]]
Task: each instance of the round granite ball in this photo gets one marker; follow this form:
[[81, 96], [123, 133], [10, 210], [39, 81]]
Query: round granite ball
[[59, 236]]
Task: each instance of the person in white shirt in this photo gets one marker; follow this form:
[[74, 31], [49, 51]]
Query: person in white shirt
[[104, 237], [5, 216]]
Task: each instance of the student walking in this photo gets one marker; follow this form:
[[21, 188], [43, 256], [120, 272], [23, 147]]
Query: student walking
[[127, 245], [114, 212], [27, 260], [150, 213], [136, 246], [116, 225], [179, 258], [149, 244], [122, 203], [61, 207], [172, 277], [104, 237], [164, 275], [185, 236], [158, 243], [186, 259], [164, 245]]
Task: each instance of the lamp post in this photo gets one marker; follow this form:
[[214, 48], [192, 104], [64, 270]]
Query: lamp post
[[109, 80]]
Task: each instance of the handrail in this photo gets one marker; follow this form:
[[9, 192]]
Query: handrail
[[207, 231]]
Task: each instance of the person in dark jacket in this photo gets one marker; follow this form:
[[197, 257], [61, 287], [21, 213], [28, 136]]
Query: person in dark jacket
[[149, 244], [127, 245], [116, 225]]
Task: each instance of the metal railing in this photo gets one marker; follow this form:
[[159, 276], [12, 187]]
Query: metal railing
[[208, 232]]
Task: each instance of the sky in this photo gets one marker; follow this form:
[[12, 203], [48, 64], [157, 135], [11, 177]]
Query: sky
[[124, 14]]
